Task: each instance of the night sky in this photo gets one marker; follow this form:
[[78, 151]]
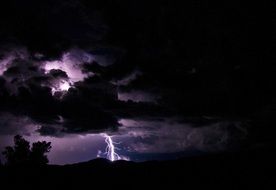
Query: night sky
[[164, 79]]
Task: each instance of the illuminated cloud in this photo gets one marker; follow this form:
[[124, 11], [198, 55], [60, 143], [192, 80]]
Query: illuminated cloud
[[19, 69], [5, 62], [128, 79], [44, 89], [71, 63], [61, 86], [8, 56]]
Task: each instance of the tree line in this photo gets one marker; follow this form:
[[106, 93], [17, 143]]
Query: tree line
[[23, 154]]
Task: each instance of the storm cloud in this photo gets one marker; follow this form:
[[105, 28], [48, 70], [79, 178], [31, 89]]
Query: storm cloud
[[43, 90], [69, 87], [78, 66]]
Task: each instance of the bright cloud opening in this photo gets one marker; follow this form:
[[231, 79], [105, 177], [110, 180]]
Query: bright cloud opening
[[71, 63], [62, 86]]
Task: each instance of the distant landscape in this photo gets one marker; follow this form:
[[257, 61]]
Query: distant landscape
[[226, 171]]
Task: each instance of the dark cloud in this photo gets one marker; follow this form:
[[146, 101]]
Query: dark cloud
[[27, 89], [74, 87], [16, 124], [56, 73], [138, 96], [42, 107], [51, 130], [94, 62], [50, 26], [160, 135], [200, 61]]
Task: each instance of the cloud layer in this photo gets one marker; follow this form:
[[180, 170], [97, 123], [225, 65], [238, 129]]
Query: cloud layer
[[78, 66]]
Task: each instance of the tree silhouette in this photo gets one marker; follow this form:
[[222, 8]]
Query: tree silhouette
[[21, 154], [38, 152]]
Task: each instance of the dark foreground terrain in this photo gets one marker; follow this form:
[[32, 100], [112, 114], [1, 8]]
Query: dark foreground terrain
[[224, 171]]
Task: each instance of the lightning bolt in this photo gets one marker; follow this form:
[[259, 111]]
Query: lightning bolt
[[111, 149]]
